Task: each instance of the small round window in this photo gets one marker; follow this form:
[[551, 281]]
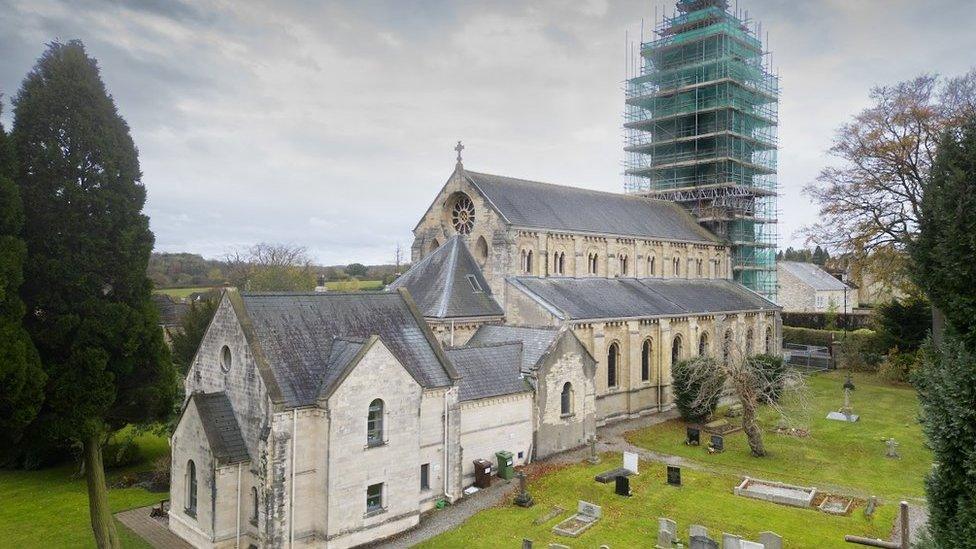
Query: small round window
[[462, 215], [225, 358]]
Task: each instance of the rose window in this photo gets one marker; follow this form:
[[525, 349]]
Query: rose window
[[462, 215]]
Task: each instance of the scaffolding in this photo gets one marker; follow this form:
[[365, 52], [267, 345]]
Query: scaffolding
[[701, 129]]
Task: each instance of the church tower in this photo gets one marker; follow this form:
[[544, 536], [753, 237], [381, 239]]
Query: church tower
[[700, 121]]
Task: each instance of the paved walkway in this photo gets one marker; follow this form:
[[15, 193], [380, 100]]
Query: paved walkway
[[153, 531]]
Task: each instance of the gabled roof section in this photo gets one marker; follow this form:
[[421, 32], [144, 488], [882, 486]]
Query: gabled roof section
[[812, 275], [532, 204], [615, 298], [535, 341], [448, 283], [302, 342], [488, 370], [221, 427]]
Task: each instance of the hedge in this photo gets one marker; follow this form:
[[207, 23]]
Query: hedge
[[809, 336]]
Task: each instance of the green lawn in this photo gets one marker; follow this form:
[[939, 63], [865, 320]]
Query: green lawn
[[354, 285], [181, 293], [835, 454], [49, 508], [704, 498]]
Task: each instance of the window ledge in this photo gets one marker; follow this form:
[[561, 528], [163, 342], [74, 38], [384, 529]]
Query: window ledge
[[370, 445], [566, 416], [374, 512], [190, 513]]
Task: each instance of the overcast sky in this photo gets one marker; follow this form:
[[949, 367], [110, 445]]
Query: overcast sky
[[332, 124]]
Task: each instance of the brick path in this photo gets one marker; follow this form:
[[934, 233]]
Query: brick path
[[153, 531]]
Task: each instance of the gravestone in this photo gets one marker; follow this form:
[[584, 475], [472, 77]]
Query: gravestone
[[594, 458], [702, 542], [669, 525], [523, 499], [872, 504], [692, 436], [558, 546], [746, 544], [731, 541], [674, 475], [588, 509], [718, 444], [770, 540], [553, 513], [697, 530], [665, 540], [526, 543], [587, 514], [630, 462], [846, 412], [892, 448], [611, 475], [623, 486]]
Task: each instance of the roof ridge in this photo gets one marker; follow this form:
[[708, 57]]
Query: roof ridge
[[449, 275], [574, 187]]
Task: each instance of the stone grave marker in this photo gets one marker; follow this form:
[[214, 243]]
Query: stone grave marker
[[674, 475], [702, 542], [731, 541], [665, 540], [692, 436], [523, 499], [594, 458], [630, 461], [587, 514], [669, 525], [770, 540], [623, 486], [607, 477], [697, 530], [553, 513], [892, 448], [718, 444], [526, 543], [870, 507], [558, 546], [746, 544], [588, 509]]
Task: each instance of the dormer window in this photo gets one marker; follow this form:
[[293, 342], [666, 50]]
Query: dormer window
[[475, 285]]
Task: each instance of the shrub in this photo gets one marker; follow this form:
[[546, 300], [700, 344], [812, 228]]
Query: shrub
[[772, 369], [898, 366], [121, 453], [860, 354], [693, 378], [809, 336], [159, 479], [904, 324]]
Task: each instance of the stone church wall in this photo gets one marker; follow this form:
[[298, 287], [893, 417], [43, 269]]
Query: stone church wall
[[189, 442], [490, 425], [555, 431]]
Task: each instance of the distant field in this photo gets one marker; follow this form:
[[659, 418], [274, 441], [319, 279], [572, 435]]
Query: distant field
[[49, 507], [354, 285], [181, 293]]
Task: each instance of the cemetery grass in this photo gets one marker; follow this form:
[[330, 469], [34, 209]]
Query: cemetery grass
[[850, 456], [704, 498], [49, 507]]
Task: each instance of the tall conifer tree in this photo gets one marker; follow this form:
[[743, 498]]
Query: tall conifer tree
[[88, 245], [21, 376]]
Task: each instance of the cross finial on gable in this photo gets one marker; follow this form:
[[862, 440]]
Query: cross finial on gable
[[459, 148]]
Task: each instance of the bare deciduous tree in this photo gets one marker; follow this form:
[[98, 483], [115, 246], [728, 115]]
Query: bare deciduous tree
[[869, 202]]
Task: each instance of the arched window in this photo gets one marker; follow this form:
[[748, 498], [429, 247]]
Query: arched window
[[528, 262], [613, 354], [677, 267], [481, 249], [703, 344], [700, 261], [623, 264], [191, 488], [374, 423], [254, 505], [750, 346], [566, 399], [727, 347], [592, 264], [434, 244], [562, 262], [646, 360], [676, 350], [651, 266], [769, 339]]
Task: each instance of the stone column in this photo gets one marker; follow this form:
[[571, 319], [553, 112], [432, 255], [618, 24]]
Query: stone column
[[632, 381], [663, 370]]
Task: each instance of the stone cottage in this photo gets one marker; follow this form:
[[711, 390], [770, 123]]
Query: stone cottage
[[807, 288]]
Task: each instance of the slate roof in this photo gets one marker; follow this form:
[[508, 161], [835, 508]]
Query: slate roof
[[442, 284], [488, 370], [306, 340], [812, 275], [171, 312], [533, 204], [535, 341], [604, 298], [220, 425]]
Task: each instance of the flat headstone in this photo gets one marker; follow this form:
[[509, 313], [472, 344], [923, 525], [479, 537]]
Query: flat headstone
[[630, 461], [731, 541], [697, 530], [872, 504], [558, 546], [588, 509], [669, 525], [702, 542], [553, 513], [622, 487], [771, 540], [611, 475], [840, 416], [665, 540]]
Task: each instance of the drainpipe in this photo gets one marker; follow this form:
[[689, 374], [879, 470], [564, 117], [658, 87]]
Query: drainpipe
[[291, 495], [660, 381], [237, 538], [447, 448]]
